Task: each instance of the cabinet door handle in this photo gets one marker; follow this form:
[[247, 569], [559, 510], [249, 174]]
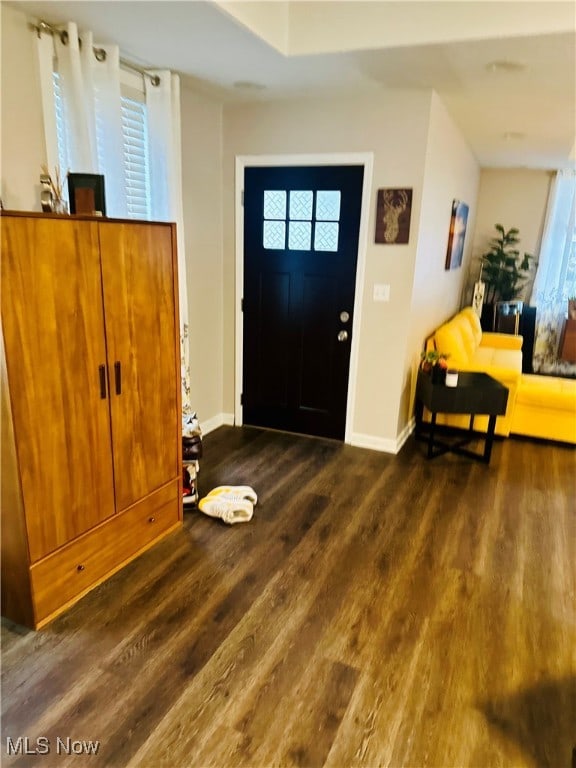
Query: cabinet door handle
[[118, 376], [102, 375]]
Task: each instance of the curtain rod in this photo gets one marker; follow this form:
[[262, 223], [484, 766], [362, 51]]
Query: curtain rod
[[99, 53]]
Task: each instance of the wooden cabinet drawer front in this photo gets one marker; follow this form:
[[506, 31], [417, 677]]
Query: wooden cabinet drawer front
[[73, 570]]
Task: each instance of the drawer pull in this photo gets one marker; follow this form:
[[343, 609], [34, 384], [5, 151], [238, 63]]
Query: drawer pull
[[151, 519], [80, 567]]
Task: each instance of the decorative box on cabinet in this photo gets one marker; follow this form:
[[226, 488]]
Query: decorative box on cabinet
[[91, 429]]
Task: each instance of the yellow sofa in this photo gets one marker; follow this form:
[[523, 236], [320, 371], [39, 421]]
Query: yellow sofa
[[470, 349], [538, 406], [545, 407]]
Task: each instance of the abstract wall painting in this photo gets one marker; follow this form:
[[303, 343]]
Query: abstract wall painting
[[456, 235]]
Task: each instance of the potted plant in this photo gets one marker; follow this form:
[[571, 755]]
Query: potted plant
[[504, 270], [434, 363]]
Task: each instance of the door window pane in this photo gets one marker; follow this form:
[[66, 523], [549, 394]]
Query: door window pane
[[299, 235], [274, 234], [274, 204], [328, 205], [296, 210], [326, 236], [301, 205]]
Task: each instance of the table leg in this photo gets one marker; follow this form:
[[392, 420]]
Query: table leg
[[489, 439], [431, 435], [418, 415]]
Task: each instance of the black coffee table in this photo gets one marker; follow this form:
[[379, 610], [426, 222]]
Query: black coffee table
[[476, 394]]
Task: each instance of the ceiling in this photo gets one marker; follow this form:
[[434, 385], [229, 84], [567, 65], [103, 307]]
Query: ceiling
[[521, 113]]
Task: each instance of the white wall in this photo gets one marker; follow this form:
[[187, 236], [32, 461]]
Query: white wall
[[395, 128], [202, 203], [267, 20], [451, 172], [317, 27], [22, 147], [513, 197]]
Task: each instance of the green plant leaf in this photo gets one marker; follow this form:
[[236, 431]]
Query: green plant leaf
[[504, 270]]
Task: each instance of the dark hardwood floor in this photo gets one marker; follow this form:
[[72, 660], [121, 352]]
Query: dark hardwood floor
[[378, 610]]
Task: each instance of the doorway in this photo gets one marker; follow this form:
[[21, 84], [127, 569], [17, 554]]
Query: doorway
[[301, 229]]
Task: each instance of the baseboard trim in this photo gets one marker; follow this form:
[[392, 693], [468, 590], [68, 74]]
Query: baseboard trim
[[406, 432], [358, 439], [219, 420], [384, 445]]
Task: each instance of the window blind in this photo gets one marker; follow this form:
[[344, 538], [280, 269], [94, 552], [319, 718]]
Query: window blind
[[135, 143], [135, 133]]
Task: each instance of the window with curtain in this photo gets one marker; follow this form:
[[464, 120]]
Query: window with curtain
[[555, 280], [101, 117], [134, 142]]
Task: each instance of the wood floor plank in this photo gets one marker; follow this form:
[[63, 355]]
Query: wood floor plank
[[305, 570], [378, 610]]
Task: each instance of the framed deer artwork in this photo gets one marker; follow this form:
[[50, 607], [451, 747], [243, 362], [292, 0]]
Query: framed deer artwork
[[393, 211]]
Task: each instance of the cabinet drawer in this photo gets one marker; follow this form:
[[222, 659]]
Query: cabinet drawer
[[69, 573]]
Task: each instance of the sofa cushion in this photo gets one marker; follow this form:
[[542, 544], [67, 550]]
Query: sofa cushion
[[548, 392], [501, 340], [492, 357], [546, 408], [448, 339], [474, 322], [467, 336]]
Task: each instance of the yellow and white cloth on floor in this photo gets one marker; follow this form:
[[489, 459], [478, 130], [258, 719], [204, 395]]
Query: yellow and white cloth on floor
[[230, 503]]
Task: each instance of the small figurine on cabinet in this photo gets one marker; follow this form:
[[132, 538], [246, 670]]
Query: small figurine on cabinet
[[51, 196], [46, 200]]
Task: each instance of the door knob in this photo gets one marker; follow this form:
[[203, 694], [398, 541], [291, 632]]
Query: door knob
[[342, 335]]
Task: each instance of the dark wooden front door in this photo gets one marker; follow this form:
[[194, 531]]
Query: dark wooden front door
[[300, 249]]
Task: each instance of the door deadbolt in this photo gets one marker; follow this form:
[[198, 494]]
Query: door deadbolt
[[344, 317]]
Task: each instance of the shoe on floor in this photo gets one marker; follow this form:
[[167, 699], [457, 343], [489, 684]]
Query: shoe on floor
[[235, 493], [228, 510]]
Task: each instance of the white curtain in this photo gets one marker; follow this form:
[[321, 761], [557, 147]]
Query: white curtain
[[90, 88], [77, 92], [91, 94], [555, 278], [165, 141], [45, 51]]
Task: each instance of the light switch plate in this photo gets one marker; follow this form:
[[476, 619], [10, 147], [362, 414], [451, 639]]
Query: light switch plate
[[381, 292]]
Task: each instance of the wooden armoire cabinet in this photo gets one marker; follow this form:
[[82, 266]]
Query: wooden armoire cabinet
[[91, 427]]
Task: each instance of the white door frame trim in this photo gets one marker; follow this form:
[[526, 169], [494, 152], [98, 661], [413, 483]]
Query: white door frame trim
[[351, 158]]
